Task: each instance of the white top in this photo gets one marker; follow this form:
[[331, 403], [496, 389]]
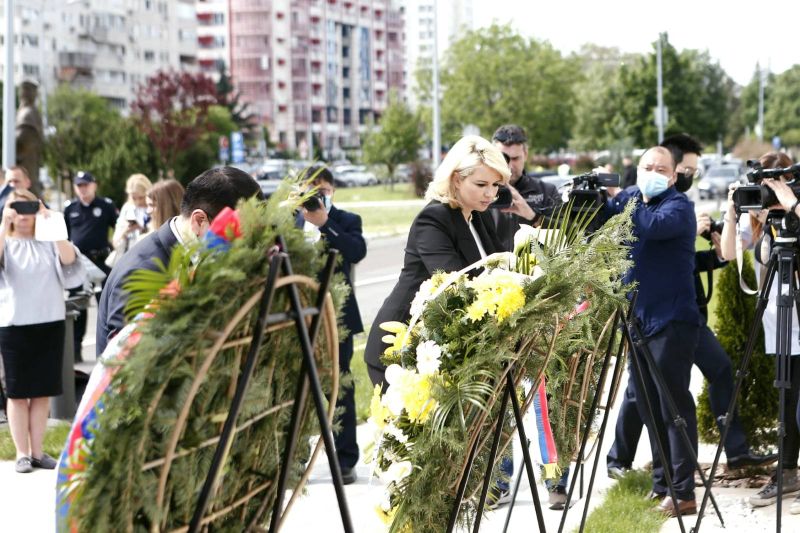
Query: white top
[[32, 281], [477, 240], [770, 319]]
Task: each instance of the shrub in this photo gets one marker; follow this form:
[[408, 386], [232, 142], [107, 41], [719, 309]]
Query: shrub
[[758, 399]]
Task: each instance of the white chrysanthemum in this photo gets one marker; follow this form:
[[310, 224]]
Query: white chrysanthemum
[[397, 472], [397, 433], [428, 357], [426, 290]]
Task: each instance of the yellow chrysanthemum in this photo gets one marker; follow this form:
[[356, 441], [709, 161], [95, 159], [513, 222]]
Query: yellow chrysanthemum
[[417, 397], [378, 412], [498, 293], [509, 300], [395, 341]]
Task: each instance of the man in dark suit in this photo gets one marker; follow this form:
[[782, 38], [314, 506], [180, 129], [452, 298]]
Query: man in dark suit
[[205, 197], [342, 231], [531, 197]]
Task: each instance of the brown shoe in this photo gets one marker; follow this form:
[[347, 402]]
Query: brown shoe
[[684, 507]]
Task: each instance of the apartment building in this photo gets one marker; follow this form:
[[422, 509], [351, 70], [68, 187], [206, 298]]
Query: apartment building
[[317, 67], [454, 18], [108, 47], [213, 37]]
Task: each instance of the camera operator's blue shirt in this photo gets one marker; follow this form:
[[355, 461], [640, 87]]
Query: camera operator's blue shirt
[[663, 257]]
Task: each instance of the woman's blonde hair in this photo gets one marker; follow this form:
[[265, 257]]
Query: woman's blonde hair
[[138, 183], [470, 152], [17, 195]]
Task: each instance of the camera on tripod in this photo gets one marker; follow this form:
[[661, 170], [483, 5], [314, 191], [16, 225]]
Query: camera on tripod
[[755, 195], [589, 190]]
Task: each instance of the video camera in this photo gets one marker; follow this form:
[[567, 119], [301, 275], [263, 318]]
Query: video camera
[[588, 190], [755, 195]]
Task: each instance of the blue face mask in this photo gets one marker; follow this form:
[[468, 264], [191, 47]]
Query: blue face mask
[[327, 202], [651, 183]]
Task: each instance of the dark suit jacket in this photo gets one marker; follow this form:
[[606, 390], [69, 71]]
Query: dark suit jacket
[[439, 239], [111, 309], [343, 232]]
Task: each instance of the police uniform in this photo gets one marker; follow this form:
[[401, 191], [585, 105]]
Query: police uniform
[[88, 227]]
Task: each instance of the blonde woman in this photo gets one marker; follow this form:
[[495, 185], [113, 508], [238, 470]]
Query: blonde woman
[[450, 233], [132, 220], [33, 275], [163, 202]]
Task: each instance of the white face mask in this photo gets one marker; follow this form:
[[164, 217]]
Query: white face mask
[[651, 183]]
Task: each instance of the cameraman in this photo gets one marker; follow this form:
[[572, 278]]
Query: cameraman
[[531, 197], [710, 356], [759, 239], [666, 309], [340, 230]]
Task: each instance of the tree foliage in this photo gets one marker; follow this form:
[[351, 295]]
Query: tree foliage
[[203, 153], [231, 98], [171, 108], [782, 114], [493, 76], [91, 135], [397, 139]]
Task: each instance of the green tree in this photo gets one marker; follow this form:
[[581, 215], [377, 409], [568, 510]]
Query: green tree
[[758, 400], [782, 114], [396, 140], [228, 96], [91, 135], [696, 91], [202, 155], [494, 76]]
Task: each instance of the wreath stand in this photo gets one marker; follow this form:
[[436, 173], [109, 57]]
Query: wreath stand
[[308, 382]]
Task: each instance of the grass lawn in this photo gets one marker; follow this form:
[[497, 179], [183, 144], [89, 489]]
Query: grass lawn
[[626, 507], [401, 191], [386, 221], [54, 441]]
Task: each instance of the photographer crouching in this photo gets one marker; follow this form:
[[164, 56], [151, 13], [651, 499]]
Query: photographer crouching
[[774, 199], [531, 198]]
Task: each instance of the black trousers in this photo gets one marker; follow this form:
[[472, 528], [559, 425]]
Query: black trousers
[[673, 351], [714, 363], [791, 440], [345, 439]]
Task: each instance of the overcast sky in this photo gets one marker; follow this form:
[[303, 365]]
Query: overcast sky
[[736, 37]]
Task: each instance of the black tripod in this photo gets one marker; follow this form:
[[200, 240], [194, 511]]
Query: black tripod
[[642, 361], [783, 261]]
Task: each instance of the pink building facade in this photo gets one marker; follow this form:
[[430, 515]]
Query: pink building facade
[[321, 66]]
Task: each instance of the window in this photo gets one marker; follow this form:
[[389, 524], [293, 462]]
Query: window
[[149, 56], [346, 93], [345, 72], [346, 117]]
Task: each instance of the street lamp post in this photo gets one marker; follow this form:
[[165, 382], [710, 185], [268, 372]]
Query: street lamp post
[[9, 111]]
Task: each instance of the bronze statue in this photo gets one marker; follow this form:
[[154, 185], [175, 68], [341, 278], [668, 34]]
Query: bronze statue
[[30, 134]]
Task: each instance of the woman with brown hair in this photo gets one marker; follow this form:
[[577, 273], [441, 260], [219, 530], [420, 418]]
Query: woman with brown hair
[[33, 275], [164, 202]]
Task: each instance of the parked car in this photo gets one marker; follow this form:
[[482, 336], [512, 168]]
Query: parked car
[[353, 176], [715, 182]]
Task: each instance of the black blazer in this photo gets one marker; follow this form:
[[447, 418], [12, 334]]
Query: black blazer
[[343, 232], [439, 239], [111, 309]]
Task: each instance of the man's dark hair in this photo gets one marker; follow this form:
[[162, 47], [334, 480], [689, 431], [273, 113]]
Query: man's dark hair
[[510, 134], [681, 143], [218, 188], [321, 174]]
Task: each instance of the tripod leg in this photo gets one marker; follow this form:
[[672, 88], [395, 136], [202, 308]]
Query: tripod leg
[[615, 379], [517, 483], [741, 373], [635, 347], [677, 420]]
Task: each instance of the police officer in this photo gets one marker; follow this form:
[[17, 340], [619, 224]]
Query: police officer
[[89, 218], [531, 197]]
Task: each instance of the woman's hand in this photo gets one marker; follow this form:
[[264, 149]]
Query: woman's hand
[[730, 213], [8, 218], [785, 195]]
